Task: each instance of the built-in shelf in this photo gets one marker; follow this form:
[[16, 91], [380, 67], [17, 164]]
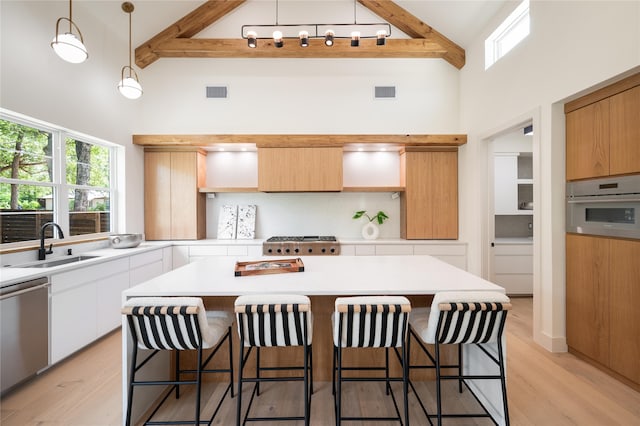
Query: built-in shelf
[[228, 189], [345, 189], [373, 189]]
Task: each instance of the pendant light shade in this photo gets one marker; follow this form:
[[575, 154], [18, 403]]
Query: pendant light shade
[[68, 45], [129, 85]]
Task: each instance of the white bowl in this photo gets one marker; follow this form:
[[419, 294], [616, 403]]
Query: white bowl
[[125, 240]]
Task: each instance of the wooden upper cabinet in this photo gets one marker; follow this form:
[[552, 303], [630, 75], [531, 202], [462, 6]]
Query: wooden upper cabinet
[[429, 204], [625, 132], [174, 209], [300, 169], [603, 132], [157, 198], [588, 141]]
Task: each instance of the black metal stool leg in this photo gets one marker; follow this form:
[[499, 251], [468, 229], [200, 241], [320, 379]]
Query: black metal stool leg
[[240, 369], [438, 386]]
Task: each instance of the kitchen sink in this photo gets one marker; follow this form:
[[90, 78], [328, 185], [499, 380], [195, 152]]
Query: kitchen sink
[[56, 262]]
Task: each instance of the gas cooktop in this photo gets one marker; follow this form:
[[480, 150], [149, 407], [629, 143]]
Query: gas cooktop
[[301, 245]]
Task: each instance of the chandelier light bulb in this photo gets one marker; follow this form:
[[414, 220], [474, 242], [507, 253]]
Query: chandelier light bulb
[[381, 38], [252, 39], [304, 38], [328, 38], [277, 38], [355, 39]]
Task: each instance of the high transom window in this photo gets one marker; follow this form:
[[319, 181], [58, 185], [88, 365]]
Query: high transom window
[[512, 31], [52, 174]]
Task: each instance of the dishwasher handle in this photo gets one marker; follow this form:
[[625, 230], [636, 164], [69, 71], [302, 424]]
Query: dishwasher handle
[[24, 287]]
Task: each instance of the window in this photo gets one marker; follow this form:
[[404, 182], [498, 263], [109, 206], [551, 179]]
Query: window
[[511, 32], [51, 174]]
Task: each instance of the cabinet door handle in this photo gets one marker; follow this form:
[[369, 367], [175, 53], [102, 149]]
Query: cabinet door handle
[[493, 244]]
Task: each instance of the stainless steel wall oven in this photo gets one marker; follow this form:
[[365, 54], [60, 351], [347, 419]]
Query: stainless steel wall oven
[[605, 206]]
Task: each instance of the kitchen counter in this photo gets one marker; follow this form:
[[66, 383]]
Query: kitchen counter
[[324, 277], [13, 274], [513, 240]]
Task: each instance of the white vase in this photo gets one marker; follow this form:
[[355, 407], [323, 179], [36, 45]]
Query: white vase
[[370, 231]]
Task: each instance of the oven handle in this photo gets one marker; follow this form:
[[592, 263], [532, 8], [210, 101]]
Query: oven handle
[[599, 200], [25, 290]]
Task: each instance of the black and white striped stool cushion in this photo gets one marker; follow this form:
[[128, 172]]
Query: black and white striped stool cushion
[[467, 317], [274, 319], [175, 323], [371, 321]]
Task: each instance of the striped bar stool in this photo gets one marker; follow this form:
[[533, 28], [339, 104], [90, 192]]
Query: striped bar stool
[[177, 324], [461, 318], [269, 320], [370, 322]]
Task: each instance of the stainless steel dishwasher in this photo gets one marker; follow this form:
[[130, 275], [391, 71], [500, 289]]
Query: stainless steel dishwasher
[[24, 326]]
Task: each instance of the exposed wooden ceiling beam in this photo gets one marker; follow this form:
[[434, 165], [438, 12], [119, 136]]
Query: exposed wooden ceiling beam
[[186, 27], [237, 48], [414, 27], [175, 40], [285, 140]]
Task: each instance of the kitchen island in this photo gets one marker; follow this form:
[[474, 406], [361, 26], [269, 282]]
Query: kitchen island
[[323, 278]]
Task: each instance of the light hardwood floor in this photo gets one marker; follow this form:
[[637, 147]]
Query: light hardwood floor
[[544, 389]]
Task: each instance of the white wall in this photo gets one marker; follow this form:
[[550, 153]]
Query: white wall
[[82, 97], [573, 46]]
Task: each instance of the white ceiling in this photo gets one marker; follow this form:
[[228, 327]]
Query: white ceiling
[[459, 20]]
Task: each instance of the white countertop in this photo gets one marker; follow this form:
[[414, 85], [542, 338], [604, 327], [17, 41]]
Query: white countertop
[[359, 241], [11, 275], [514, 240], [323, 275]]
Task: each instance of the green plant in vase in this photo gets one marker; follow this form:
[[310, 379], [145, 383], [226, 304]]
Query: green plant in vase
[[370, 230]]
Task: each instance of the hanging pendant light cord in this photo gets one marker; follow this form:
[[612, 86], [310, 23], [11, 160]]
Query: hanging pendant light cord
[[130, 53], [70, 15]]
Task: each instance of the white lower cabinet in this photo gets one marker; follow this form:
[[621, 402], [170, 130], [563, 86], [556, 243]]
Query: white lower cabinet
[[109, 302], [513, 268], [73, 320], [143, 267], [83, 303]]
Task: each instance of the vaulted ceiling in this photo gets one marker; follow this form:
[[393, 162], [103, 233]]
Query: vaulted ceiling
[[178, 41]]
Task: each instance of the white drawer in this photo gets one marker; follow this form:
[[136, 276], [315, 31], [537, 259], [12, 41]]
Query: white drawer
[[513, 264], [237, 251], [440, 249], [67, 280], [394, 250], [207, 251], [366, 250], [138, 260]]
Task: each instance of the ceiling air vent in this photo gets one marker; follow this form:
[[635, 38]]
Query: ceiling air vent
[[385, 92], [216, 92]]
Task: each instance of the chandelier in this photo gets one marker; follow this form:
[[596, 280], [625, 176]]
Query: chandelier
[[302, 33]]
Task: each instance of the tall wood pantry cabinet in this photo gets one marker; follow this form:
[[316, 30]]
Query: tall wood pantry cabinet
[[174, 209], [429, 204]]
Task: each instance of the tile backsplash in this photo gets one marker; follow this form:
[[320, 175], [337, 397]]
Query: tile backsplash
[[513, 226]]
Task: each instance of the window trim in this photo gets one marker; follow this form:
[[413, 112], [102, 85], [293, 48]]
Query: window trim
[[492, 51], [59, 183]]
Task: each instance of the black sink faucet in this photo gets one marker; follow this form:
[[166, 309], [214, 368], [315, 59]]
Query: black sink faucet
[[42, 252]]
